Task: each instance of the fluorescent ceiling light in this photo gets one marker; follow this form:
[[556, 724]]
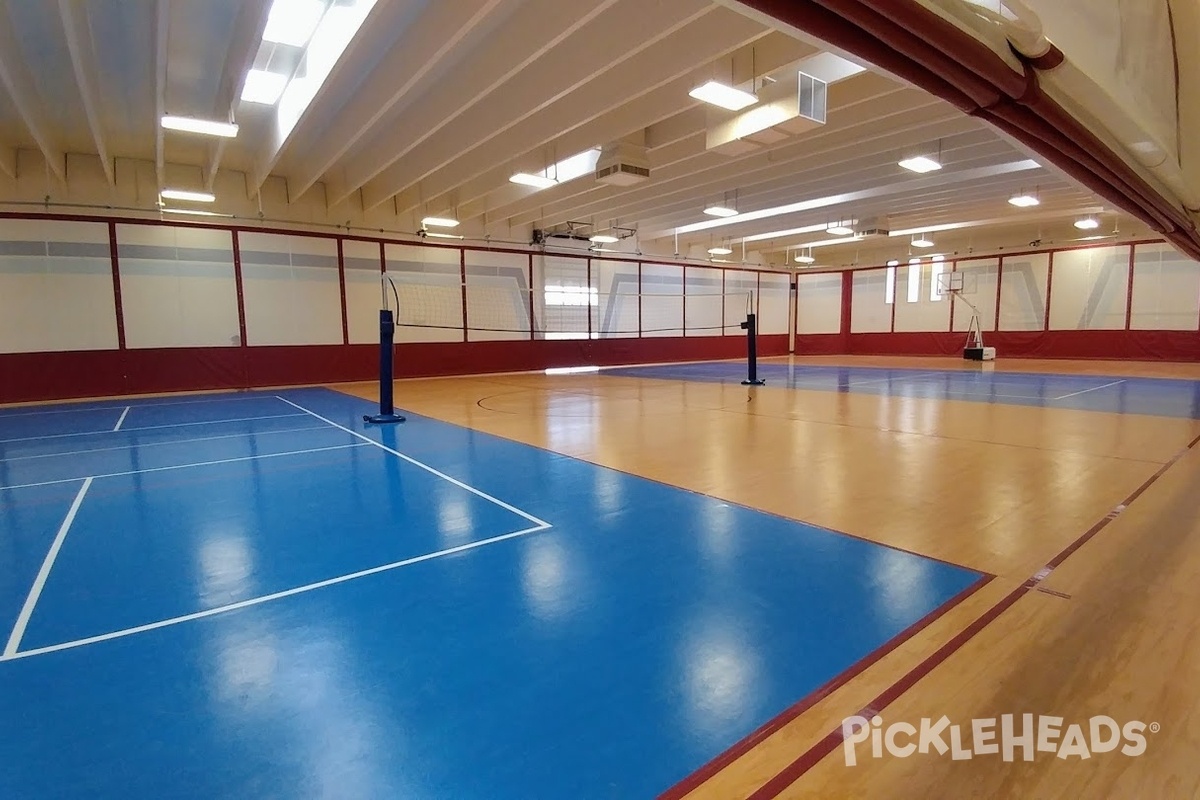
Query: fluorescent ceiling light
[[719, 251], [727, 97], [436, 235], [838, 229], [758, 237], [828, 242], [440, 222], [1023, 200], [536, 181], [1087, 224], [604, 238], [263, 87], [207, 127], [805, 259], [183, 194], [920, 164], [922, 242], [938, 257], [570, 370], [721, 211], [292, 22], [193, 211], [893, 263]]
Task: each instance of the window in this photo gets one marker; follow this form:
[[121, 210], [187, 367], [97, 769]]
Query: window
[[914, 283], [935, 288], [889, 287]]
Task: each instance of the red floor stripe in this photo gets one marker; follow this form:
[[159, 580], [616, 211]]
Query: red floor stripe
[[795, 770]]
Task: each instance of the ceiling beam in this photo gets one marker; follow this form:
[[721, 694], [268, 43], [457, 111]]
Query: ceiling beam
[[440, 29], [239, 58], [592, 52], [542, 24], [74, 16], [162, 20], [17, 79]]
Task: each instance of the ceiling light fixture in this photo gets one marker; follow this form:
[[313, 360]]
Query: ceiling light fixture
[[263, 87], [829, 242], [440, 222], [193, 211], [724, 96], [719, 251], [1023, 200], [720, 211], [921, 241], [206, 127], [804, 259], [839, 229], [292, 22], [436, 235], [1087, 223], [536, 181], [183, 194], [604, 238], [920, 164]]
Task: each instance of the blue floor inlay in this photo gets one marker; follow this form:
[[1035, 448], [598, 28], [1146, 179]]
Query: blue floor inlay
[[607, 656]]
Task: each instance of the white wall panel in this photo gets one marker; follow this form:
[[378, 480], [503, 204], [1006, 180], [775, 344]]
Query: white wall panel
[[819, 303], [662, 300], [925, 310], [429, 283], [979, 289], [563, 299], [616, 313], [363, 297], [869, 311], [1166, 289], [1023, 292], [774, 301], [703, 306], [1090, 289], [290, 289], [56, 290], [497, 296], [178, 287]]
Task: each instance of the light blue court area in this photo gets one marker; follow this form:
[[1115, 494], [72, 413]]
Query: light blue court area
[[255, 596], [1165, 397]]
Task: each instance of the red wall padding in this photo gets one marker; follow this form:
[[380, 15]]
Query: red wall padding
[[51, 376], [1140, 345]]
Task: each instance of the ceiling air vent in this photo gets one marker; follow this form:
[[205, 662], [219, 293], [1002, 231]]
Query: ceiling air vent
[[623, 165]]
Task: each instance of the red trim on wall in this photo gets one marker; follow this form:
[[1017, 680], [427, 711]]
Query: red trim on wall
[[1049, 289], [118, 307], [237, 278], [950, 297], [341, 258], [382, 257], [683, 284], [1093, 344], [532, 318], [999, 283], [1128, 292], [462, 276], [589, 305], [895, 295], [639, 270]]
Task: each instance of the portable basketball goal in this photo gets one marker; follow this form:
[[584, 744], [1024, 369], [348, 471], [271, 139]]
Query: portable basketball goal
[[957, 285]]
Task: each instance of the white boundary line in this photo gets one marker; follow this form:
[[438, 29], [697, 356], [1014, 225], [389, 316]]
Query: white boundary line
[[97, 409], [35, 592], [141, 445], [124, 414], [147, 428], [104, 637], [185, 466], [1085, 391], [425, 467]]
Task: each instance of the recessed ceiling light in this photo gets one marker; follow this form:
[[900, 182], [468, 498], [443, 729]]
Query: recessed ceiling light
[[838, 229], [719, 251], [1087, 224], [727, 97], [1023, 200], [893, 263], [604, 238], [206, 127], [805, 259], [292, 22], [920, 164], [536, 181], [921, 241], [721, 211], [263, 87], [440, 222], [183, 194]]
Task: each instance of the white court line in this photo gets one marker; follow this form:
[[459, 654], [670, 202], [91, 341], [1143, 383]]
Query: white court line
[[147, 428], [13, 654], [18, 631], [124, 414], [184, 466], [852, 384], [425, 467], [1085, 391], [97, 409], [144, 445]]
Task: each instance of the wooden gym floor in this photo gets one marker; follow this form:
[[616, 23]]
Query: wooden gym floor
[[1088, 518]]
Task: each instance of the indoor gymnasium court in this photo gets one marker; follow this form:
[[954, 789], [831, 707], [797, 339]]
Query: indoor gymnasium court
[[467, 400]]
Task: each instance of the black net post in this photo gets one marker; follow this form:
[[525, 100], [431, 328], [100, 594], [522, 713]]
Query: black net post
[[387, 337], [751, 328]]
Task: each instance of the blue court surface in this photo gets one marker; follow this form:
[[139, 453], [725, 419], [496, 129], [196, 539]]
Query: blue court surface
[[1165, 397], [254, 595]]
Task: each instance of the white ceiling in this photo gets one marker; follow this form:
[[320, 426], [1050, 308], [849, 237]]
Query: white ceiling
[[433, 105]]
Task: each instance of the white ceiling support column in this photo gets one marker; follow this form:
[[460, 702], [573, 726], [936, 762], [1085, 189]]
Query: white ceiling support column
[[74, 15], [162, 18], [16, 78], [239, 58]]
